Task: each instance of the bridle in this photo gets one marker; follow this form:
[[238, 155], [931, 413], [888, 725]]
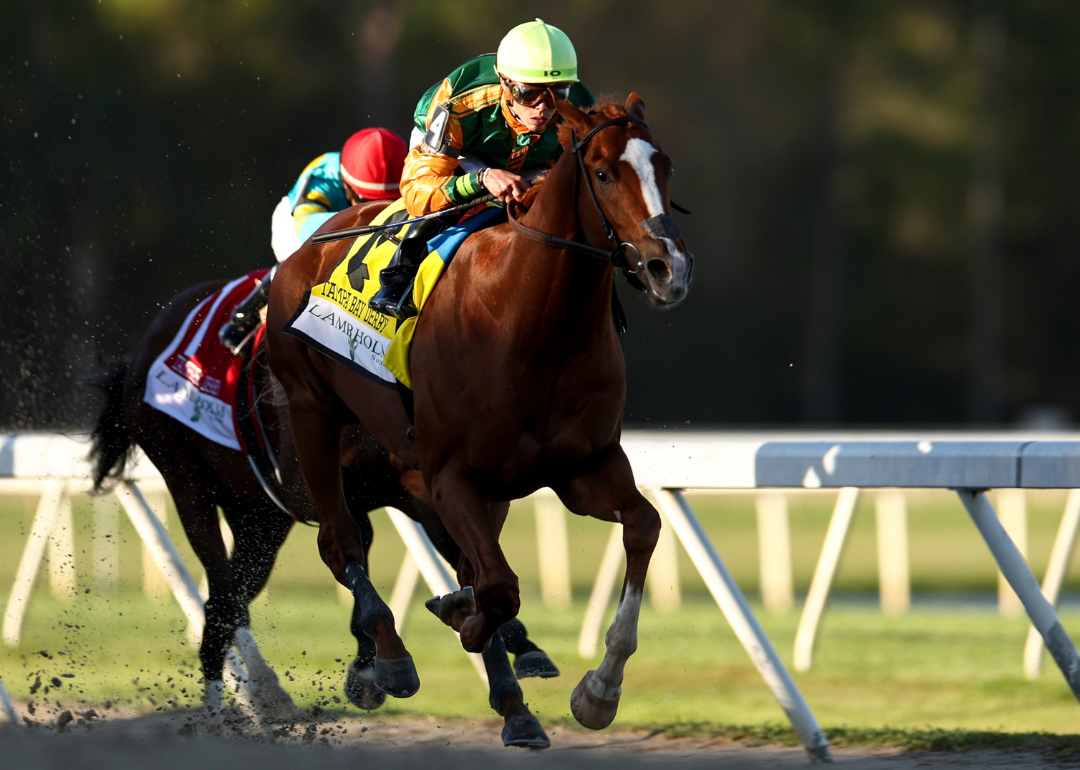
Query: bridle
[[659, 226]]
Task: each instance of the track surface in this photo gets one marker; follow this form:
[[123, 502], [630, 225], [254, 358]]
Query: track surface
[[186, 740]]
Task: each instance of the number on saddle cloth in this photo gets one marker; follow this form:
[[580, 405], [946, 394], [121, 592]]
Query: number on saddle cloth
[[358, 271]]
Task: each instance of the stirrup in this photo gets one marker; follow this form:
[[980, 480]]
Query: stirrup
[[394, 297], [245, 320], [236, 333]]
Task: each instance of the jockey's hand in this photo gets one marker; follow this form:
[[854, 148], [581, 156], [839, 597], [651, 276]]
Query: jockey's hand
[[505, 185]]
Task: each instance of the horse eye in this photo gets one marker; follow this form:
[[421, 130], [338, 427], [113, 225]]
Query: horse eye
[[601, 176]]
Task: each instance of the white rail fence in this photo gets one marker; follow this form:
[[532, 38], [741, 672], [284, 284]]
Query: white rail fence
[[769, 465]]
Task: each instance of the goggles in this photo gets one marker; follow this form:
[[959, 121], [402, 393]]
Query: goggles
[[530, 95]]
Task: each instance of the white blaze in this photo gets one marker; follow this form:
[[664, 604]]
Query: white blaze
[[638, 154]]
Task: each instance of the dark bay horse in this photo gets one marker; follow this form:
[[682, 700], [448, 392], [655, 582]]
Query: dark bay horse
[[202, 475], [519, 382]]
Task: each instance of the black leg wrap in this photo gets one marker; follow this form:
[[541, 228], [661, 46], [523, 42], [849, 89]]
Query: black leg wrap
[[516, 637], [501, 678], [372, 607], [529, 660]]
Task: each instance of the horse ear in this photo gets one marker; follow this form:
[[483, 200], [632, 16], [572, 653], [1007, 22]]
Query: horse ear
[[575, 118], [635, 107]]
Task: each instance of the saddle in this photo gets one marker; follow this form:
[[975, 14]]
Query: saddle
[[336, 319], [199, 382]]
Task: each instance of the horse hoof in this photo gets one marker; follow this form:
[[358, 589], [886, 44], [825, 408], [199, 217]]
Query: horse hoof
[[269, 700], [360, 687], [453, 609], [535, 663], [397, 677], [525, 732], [589, 709]]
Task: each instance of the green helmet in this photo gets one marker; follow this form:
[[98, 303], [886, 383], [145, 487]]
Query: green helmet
[[535, 52]]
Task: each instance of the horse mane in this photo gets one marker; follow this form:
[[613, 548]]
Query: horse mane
[[608, 107]]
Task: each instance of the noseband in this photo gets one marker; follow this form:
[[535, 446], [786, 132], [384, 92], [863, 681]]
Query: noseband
[[660, 226]]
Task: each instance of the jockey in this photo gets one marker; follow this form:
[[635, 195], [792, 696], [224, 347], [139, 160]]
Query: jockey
[[488, 127], [368, 168]]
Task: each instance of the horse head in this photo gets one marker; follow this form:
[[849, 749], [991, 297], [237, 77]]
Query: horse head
[[628, 177]]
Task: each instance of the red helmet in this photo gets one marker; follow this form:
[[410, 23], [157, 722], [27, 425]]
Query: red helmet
[[371, 163]]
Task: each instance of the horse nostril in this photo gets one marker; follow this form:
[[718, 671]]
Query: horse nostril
[[658, 270]]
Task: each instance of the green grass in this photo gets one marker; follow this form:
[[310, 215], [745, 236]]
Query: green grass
[[947, 670], [938, 677]]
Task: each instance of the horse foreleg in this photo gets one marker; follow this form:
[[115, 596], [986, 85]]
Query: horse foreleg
[[609, 494], [520, 727]]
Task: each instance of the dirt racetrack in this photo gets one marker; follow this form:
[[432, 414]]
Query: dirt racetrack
[[184, 740]]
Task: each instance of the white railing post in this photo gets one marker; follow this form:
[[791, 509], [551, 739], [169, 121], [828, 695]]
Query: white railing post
[[600, 597], [892, 546], [1016, 571], [665, 593], [835, 539], [162, 551], [725, 591], [1012, 510], [404, 588], [774, 548], [61, 550], [1060, 556], [31, 560], [106, 546], [552, 550], [155, 586]]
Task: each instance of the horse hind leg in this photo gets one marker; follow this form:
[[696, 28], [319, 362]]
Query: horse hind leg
[[360, 686], [259, 535], [529, 659], [198, 514], [395, 673], [317, 433]]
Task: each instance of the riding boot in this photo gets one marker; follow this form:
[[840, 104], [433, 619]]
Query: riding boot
[[245, 318], [393, 297]]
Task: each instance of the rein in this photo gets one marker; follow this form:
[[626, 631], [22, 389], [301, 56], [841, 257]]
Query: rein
[[659, 226], [352, 232]]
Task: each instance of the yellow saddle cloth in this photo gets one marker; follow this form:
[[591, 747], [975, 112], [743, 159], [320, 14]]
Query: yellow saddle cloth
[[335, 318]]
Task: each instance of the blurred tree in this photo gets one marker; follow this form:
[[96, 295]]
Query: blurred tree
[[860, 172]]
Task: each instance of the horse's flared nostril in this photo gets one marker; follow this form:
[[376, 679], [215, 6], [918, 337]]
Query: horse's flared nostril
[[658, 270]]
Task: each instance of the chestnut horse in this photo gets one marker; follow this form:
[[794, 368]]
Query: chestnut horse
[[202, 475], [519, 383]]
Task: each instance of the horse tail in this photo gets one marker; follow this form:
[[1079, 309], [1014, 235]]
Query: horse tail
[[111, 441]]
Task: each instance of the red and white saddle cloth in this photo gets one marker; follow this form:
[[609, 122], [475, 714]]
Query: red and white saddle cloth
[[195, 379]]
